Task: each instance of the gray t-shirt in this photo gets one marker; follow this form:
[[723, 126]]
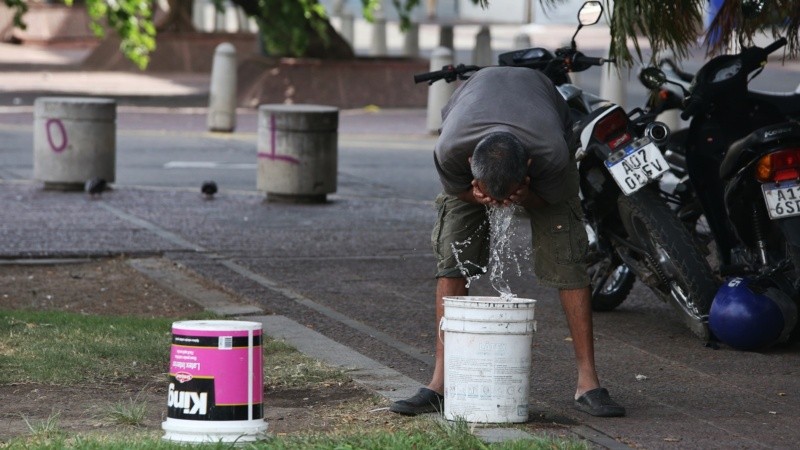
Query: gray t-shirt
[[518, 100]]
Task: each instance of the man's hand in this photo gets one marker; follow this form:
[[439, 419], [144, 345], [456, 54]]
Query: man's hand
[[482, 197], [520, 194]]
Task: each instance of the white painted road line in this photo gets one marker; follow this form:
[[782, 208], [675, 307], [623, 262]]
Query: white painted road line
[[209, 165]]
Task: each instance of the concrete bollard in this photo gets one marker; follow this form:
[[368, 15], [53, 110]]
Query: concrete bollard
[[411, 41], [297, 152], [74, 140], [521, 41], [378, 46], [222, 93], [439, 92]]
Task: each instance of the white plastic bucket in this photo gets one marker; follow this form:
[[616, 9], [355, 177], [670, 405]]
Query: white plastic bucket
[[215, 389], [487, 358]]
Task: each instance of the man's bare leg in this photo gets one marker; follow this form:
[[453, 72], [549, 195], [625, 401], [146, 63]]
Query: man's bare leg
[[589, 397], [430, 398], [445, 287], [577, 305]]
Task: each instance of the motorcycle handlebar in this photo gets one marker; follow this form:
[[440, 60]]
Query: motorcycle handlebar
[[775, 45], [448, 73], [590, 61], [752, 58]]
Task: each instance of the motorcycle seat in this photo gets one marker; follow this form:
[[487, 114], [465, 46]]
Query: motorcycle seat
[[788, 103], [579, 124], [752, 146]]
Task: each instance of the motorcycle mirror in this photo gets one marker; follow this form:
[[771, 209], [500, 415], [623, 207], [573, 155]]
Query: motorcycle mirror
[[589, 14], [652, 77], [751, 9]]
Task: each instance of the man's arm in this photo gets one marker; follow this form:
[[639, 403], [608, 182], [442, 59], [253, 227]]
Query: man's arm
[[467, 196]]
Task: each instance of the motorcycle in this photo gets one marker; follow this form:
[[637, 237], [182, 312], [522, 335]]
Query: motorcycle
[[740, 163], [634, 233]]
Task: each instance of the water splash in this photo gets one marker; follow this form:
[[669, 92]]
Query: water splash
[[500, 248], [463, 266], [502, 257]]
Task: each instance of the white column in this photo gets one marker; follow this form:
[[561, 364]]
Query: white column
[[482, 54], [378, 47], [521, 41], [411, 41], [612, 87]]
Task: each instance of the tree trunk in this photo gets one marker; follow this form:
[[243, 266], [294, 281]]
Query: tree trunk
[[178, 17], [336, 46]]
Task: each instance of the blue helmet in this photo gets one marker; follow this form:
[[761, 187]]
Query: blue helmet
[[751, 315]]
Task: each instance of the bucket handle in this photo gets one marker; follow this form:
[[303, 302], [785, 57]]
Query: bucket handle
[[441, 326]]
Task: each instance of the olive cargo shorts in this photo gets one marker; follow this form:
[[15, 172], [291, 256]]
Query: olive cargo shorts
[[559, 241]]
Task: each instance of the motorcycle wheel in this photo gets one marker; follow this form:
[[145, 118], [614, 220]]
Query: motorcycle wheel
[[679, 274], [612, 281]]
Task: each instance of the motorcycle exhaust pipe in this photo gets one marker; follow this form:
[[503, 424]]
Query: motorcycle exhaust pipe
[[657, 131]]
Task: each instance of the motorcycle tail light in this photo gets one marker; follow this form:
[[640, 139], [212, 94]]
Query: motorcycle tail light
[[612, 129], [782, 165]]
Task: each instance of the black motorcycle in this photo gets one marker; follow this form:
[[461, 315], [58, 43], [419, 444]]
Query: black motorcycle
[[740, 158], [633, 231]]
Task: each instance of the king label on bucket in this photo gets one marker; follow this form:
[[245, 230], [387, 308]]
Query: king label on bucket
[[192, 403]]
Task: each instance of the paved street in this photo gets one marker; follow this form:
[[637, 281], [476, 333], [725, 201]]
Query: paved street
[[358, 269]]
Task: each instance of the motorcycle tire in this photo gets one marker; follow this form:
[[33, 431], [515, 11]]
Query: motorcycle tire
[[612, 281], [680, 273]]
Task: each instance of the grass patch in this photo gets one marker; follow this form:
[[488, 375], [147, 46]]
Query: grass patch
[[132, 413], [47, 429], [285, 366], [66, 348], [424, 433]]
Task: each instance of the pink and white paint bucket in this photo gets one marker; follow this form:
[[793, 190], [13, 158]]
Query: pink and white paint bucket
[[215, 391]]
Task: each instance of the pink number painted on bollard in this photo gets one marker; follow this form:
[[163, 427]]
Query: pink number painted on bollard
[[273, 155], [61, 130]]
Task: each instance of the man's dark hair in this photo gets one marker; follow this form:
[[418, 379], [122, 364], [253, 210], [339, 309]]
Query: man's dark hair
[[499, 160]]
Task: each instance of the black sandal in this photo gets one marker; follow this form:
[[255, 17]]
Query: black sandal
[[424, 401], [597, 402]]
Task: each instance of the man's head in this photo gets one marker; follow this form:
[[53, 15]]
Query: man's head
[[499, 163]]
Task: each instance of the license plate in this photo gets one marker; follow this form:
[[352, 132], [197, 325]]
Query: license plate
[[636, 165], [783, 199]]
